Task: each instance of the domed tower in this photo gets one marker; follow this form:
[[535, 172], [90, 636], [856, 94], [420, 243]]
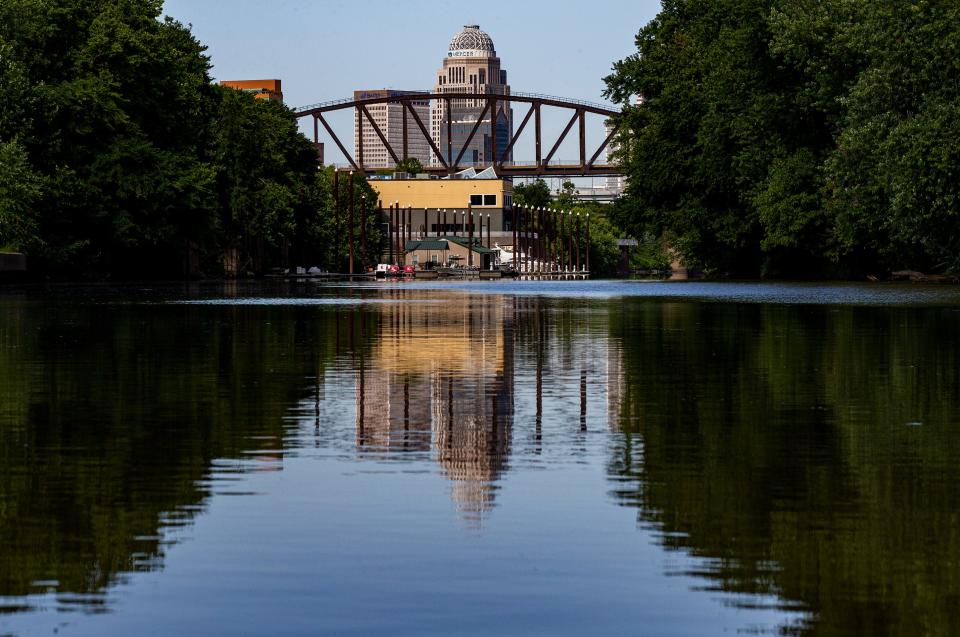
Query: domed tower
[[471, 66]]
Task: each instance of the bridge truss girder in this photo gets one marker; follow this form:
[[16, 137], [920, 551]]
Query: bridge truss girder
[[585, 166]]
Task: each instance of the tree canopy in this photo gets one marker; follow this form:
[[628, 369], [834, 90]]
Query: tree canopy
[[793, 138], [120, 157]]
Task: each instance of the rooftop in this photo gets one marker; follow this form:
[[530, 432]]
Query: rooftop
[[472, 39], [441, 243]]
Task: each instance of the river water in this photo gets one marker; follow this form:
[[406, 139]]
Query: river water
[[490, 458]]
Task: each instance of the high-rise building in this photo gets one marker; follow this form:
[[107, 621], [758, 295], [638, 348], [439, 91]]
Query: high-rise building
[[369, 150], [471, 66]]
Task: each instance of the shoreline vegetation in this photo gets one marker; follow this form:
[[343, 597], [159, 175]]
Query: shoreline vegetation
[[771, 139], [795, 139]]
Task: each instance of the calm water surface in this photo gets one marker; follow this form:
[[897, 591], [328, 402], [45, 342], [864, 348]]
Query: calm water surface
[[508, 458]]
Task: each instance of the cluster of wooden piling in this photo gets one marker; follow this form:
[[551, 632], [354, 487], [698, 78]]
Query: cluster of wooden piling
[[552, 242]]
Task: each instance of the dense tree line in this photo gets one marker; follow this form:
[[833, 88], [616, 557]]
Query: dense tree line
[[120, 157], [787, 137]]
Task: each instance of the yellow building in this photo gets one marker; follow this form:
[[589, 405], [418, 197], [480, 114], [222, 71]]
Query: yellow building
[[441, 207]]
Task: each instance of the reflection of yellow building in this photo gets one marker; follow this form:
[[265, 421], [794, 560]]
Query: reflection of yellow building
[[422, 336], [393, 411], [441, 376]]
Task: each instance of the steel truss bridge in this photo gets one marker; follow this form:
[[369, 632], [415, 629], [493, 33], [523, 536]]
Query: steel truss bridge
[[544, 165]]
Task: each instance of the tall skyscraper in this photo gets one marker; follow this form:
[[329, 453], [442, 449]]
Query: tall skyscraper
[[471, 66], [390, 120]]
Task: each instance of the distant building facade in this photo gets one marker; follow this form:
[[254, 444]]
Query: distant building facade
[[389, 118], [471, 66], [451, 199], [261, 89]]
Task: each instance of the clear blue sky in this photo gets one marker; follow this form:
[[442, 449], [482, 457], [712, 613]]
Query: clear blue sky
[[325, 49]]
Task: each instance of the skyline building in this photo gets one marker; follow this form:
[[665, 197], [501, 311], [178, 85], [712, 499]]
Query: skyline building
[[260, 89], [471, 66], [390, 120]]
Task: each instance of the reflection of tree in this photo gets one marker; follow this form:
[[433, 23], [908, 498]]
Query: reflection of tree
[[775, 446], [113, 416]]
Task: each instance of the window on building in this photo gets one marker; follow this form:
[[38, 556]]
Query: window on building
[[483, 76], [476, 200], [508, 201], [489, 200], [434, 257]]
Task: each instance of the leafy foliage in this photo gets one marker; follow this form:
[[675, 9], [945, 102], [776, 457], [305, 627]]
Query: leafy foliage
[[535, 193], [118, 157], [795, 137], [410, 165]]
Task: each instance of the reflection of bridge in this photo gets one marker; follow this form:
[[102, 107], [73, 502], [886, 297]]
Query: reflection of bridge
[[451, 158]]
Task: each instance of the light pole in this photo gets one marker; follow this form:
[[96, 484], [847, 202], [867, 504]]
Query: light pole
[[588, 244], [563, 231], [363, 232], [396, 232], [336, 220], [350, 233], [540, 244], [470, 235], [578, 242]]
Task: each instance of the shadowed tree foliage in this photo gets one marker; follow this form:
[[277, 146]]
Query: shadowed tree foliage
[[795, 138], [118, 157], [535, 193]]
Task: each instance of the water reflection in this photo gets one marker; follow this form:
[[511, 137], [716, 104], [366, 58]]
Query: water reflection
[[440, 376], [117, 425], [803, 453], [801, 457]]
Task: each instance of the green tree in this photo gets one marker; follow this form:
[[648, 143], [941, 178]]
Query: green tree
[[535, 194], [784, 137], [19, 191], [120, 158], [568, 195], [116, 127], [366, 206], [265, 171], [892, 180], [410, 165]]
